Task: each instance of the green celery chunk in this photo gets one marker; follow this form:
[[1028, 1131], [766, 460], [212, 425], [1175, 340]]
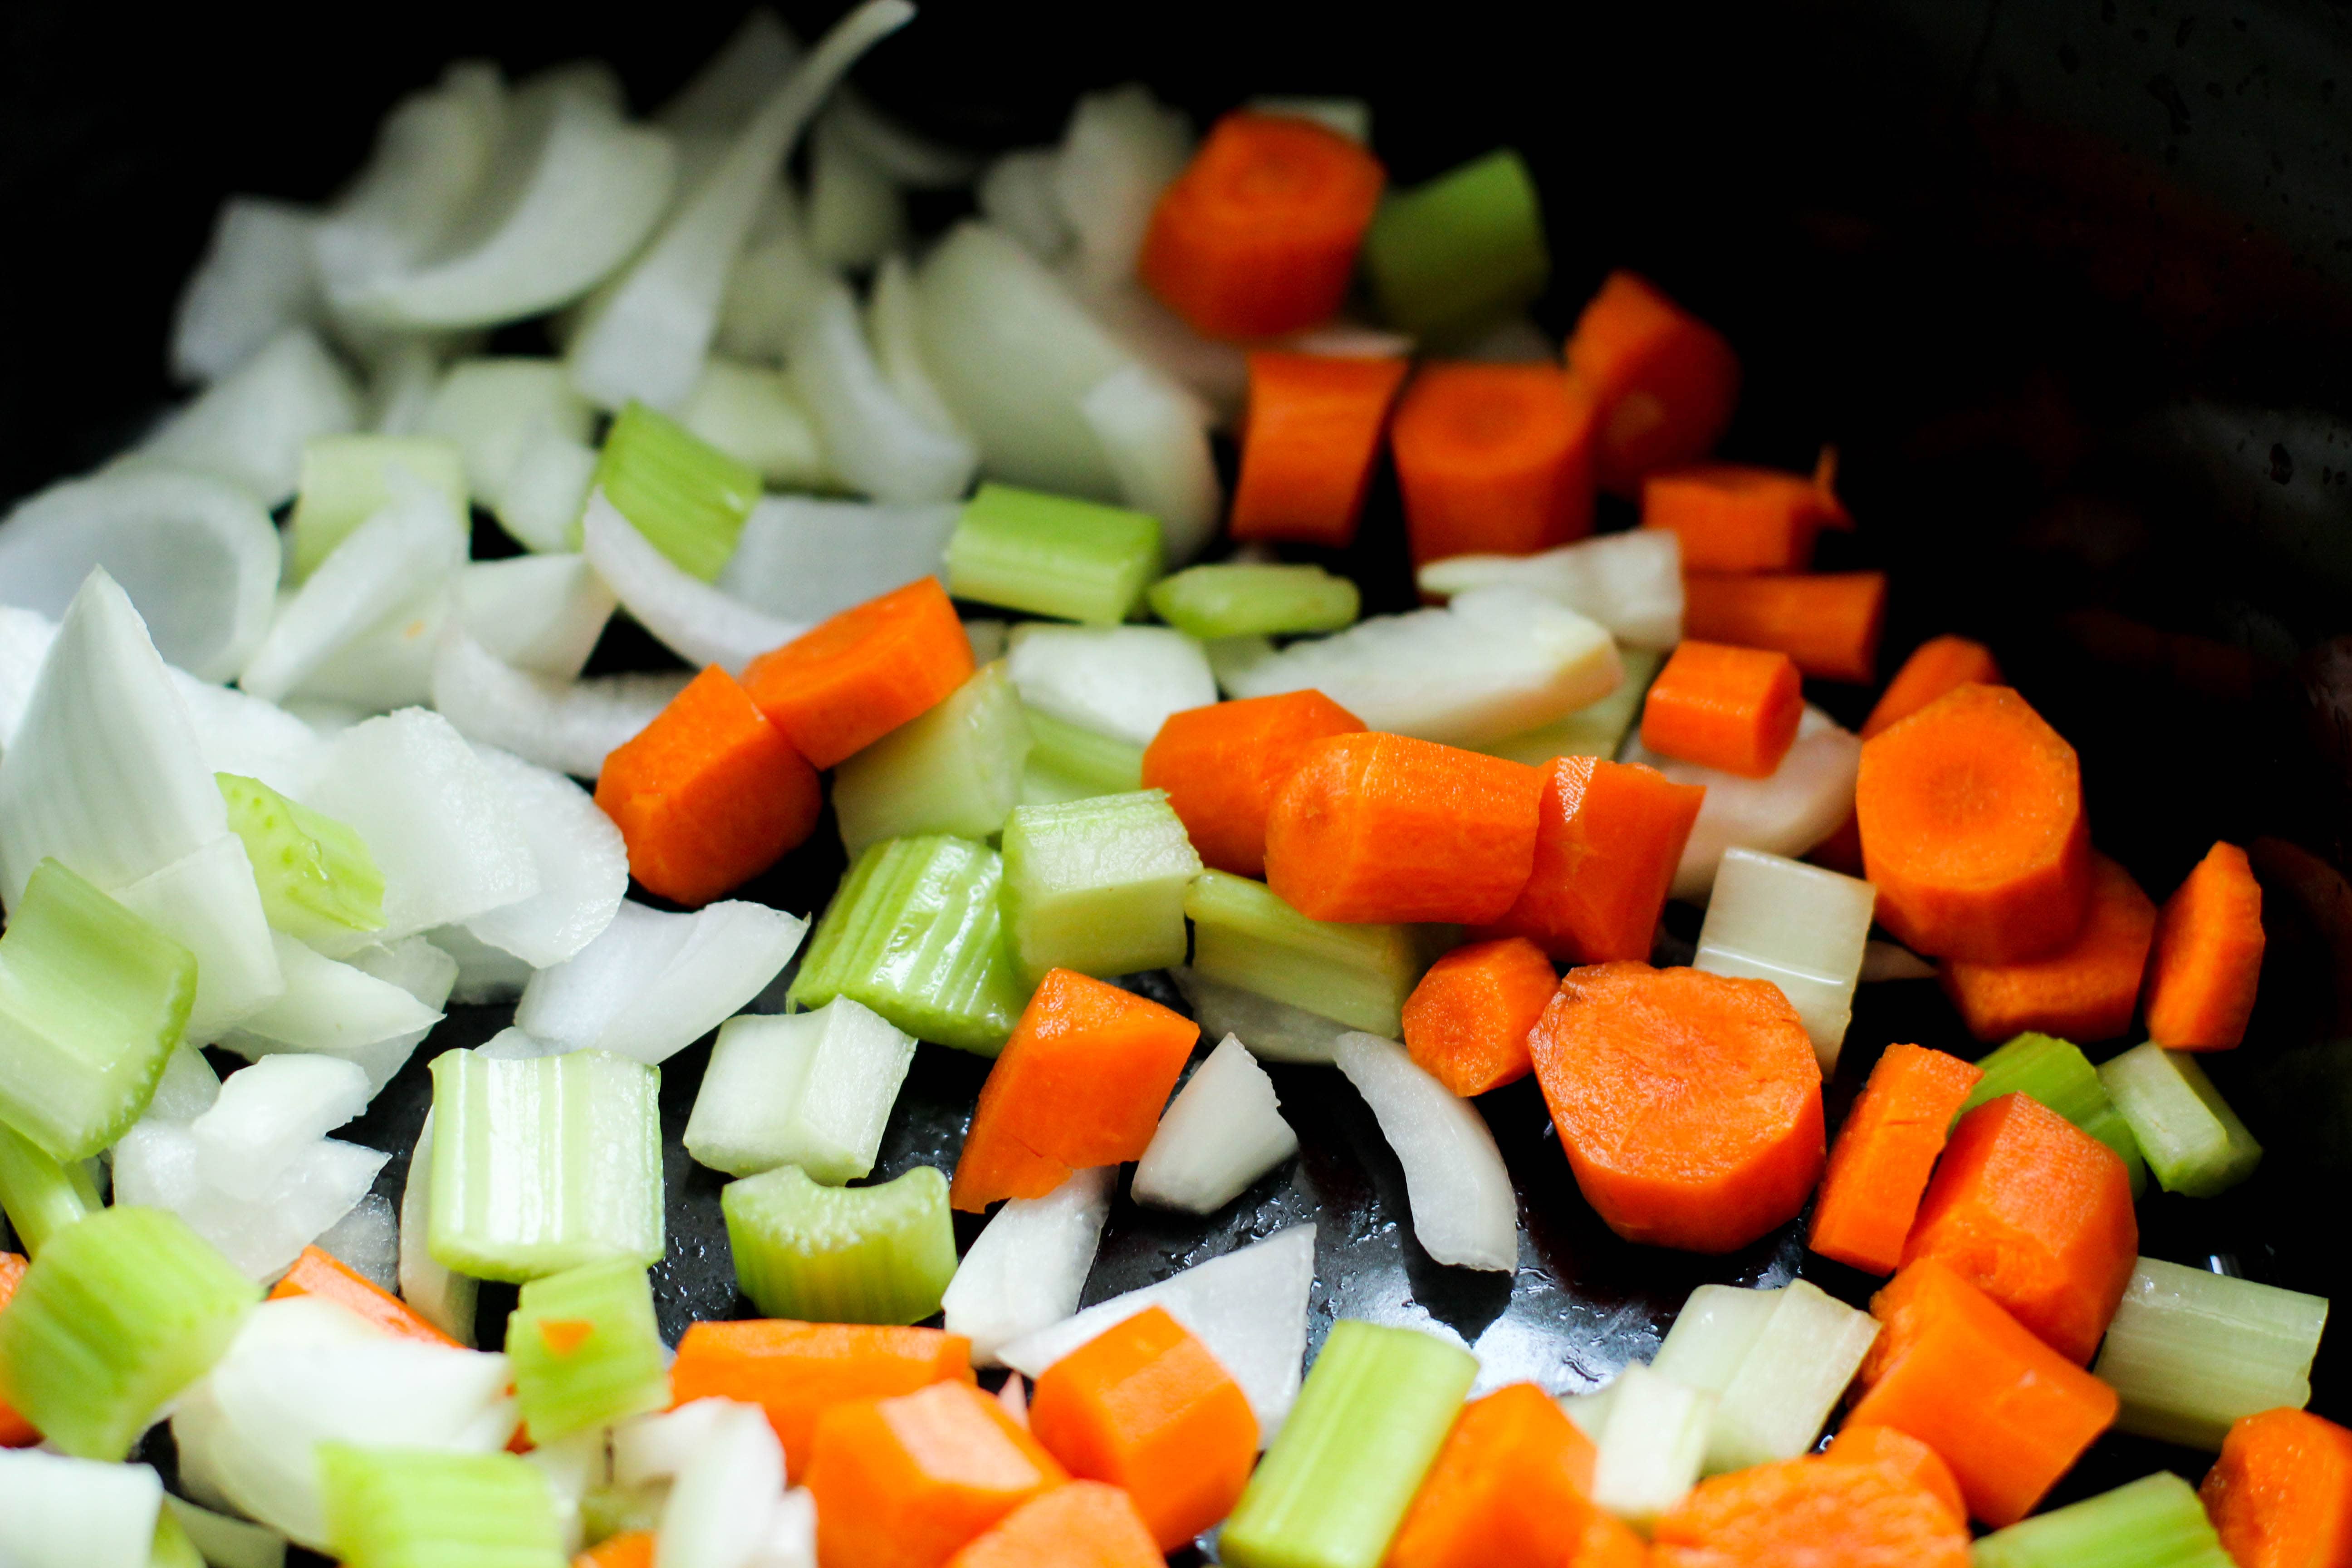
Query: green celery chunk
[[915, 932], [344, 482], [172, 1548], [1050, 555], [2154, 1522], [1097, 885], [812, 1090], [2189, 1352], [1238, 599], [957, 768], [1597, 730], [117, 1315], [318, 880], [40, 1195], [1369, 1419], [418, 1508], [586, 1351], [1070, 761], [2057, 1074], [684, 495], [842, 1254], [1243, 934], [2193, 1140], [1460, 252]]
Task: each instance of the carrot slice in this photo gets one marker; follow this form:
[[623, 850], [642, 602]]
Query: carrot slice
[[1665, 381], [796, 1371], [1736, 709], [1689, 1104], [1610, 1542], [2280, 1493], [15, 1432], [1493, 459], [1937, 665], [848, 681], [2085, 993], [1085, 1525], [321, 1274], [1223, 764], [1905, 1455], [1308, 443], [1258, 236], [1608, 839], [1829, 622], [1512, 1484], [2207, 955], [1467, 1023], [907, 1482], [1374, 827], [632, 1549], [1972, 828], [1885, 1153], [1806, 1511], [1733, 518]]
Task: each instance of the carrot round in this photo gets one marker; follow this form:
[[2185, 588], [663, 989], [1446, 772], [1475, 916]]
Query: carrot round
[[1493, 459], [1733, 518], [1736, 709], [1664, 381], [848, 681], [1690, 1104], [1608, 839], [1829, 622], [1083, 1524], [1902, 1453], [2281, 1494], [1813, 1512], [1258, 236], [1223, 764], [631, 1549], [1308, 443], [796, 1371], [1885, 1153], [1467, 1023], [2085, 992], [323, 1275], [2207, 955], [1610, 1542], [907, 1482], [1937, 666], [1512, 1485], [1972, 828]]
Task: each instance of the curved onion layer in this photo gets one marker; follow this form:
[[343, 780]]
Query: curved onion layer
[[432, 155], [255, 279], [569, 727], [538, 612], [1121, 149], [1806, 799], [856, 215], [651, 983], [1156, 438], [583, 865], [691, 618], [1465, 1211], [251, 424], [1016, 195], [802, 559], [910, 159], [1026, 1268], [1223, 1132], [1630, 582], [872, 438], [894, 322], [733, 84]]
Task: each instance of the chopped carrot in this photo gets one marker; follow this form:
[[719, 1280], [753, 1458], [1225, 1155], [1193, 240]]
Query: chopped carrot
[[1145, 1405], [1665, 381], [1493, 459], [1513, 1484], [321, 1274], [1736, 709], [1608, 839], [796, 1371], [2085, 993], [1733, 518], [1972, 828], [632, 1549], [1081, 1083], [907, 1483], [1884, 1154], [2281, 1494], [1810, 1512], [1083, 1524], [1308, 443], [1373, 828], [1829, 622], [1610, 1542], [2207, 955], [848, 681], [709, 793], [1467, 1023], [1937, 665], [1690, 1104], [1258, 236], [2007, 1413], [1905, 1455], [15, 1432], [1223, 764]]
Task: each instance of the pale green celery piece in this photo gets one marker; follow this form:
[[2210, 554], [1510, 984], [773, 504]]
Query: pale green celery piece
[[1598, 728], [2189, 1352], [1589, 1411], [173, 1549], [344, 483], [544, 1163], [2156, 1521], [92, 1001], [1712, 1335], [812, 1090], [318, 880], [609, 1510], [1254, 598], [418, 1508], [117, 1314], [1369, 1419], [1650, 1451], [227, 1543], [915, 932], [1244, 934], [685, 496], [2113, 1128], [2057, 1074], [1097, 885], [957, 768], [1069, 762], [586, 1349], [1794, 1374], [1461, 251], [40, 1195], [842, 1254], [2193, 1140], [1051, 555]]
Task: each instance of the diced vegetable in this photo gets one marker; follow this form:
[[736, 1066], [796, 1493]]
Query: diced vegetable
[[1512, 1484], [156, 1166], [956, 770], [682, 493], [2191, 1139], [1222, 1133], [1733, 518], [1155, 436], [250, 426], [344, 484], [1249, 599], [439, 1295], [2086, 991], [2156, 1518], [873, 439], [911, 1480], [1633, 346], [1463, 249], [586, 1351], [60, 1513], [1466, 1024], [1025, 1269], [2192, 1352], [1651, 1445], [541, 613], [751, 413], [1804, 801], [316, 876], [812, 1089], [838, 689], [652, 983], [569, 727], [1597, 730], [1629, 582], [1885, 1153], [1097, 885], [336, 1010], [1798, 926], [1274, 1031], [1244, 935], [685, 614], [1081, 1521], [2058, 1075], [2207, 955], [267, 1114], [803, 558], [1796, 1508], [1609, 840], [255, 277], [1733, 708], [392, 1508], [1052, 556], [1223, 765], [1068, 763], [857, 1255], [1790, 1377], [40, 1195], [1465, 1209], [319, 1273], [726, 1495], [1314, 433], [1935, 667], [227, 1543], [1119, 682], [1493, 459]]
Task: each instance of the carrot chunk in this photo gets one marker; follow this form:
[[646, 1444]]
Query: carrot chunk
[[1829, 622], [1810, 1512], [1610, 1542], [1690, 1104], [2207, 955], [1937, 666], [1733, 518], [1493, 459], [1308, 443], [907, 1482], [631, 1549], [15, 1432], [1884, 1154], [1085, 1525], [1608, 839], [1222, 766], [1512, 1484], [1467, 1023], [323, 1275], [2281, 1494], [796, 1371], [1736, 709], [1664, 381], [845, 683], [1905, 1455], [2086, 992]]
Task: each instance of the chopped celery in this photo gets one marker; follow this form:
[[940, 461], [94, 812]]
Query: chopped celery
[[1253, 598], [41, 1196], [223, 1541], [2192, 1140], [685, 496], [2057, 1074], [318, 880], [1798, 926], [345, 481], [2191, 1352], [116, 1316], [915, 933], [1243, 934], [956, 770], [586, 1351], [172, 1548], [2156, 1521], [1333, 1486], [544, 1163], [1051, 555], [1595, 729], [1097, 885], [1069, 762], [1793, 1374], [609, 1510], [842, 1254], [1652, 1443], [413, 1507], [812, 1089], [93, 1000], [1461, 251], [1712, 1335]]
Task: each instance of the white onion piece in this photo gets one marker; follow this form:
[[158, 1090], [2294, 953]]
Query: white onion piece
[[775, 280], [1121, 681], [570, 1466], [442, 1297], [1884, 961], [1119, 150], [25, 638], [1801, 927], [537, 613], [367, 1242], [57, 1512], [334, 1009], [486, 976], [651, 983], [1223, 1132], [855, 215], [390, 664], [413, 964], [1025, 1269], [225, 1542], [1215, 371], [694, 620], [402, 383], [733, 84], [801, 559], [1155, 436], [752, 413], [250, 426], [1806, 799], [1348, 117], [1630, 582], [432, 155], [894, 322], [255, 278], [910, 159], [208, 902], [726, 1493], [501, 413], [649, 1449], [155, 1165], [267, 1114], [583, 865], [240, 733], [1016, 195], [1274, 1031], [187, 1089], [791, 1538], [1344, 339], [570, 727], [1464, 1209], [873, 440]]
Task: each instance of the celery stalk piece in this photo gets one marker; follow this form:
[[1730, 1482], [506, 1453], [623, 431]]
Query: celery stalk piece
[[1630, 582], [2191, 1352], [344, 484], [1801, 804], [1119, 681], [1051, 555], [1792, 1376], [2113, 1128], [2056, 1073], [405, 1508], [1596, 730], [249, 426], [1798, 926], [269, 1113], [1026, 1268], [872, 438], [1712, 1335], [544, 1165], [812, 1089], [1222, 1133], [40, 1195], [1097, 885], [956, 770], [752, 413], [226, 1542], [1274, 1031], [58, 1512], [1253, 599], [2193, 1140], [2156, 1521], [651, 983], [915, 932], [684, 494], [609, 1510], [1461, 251], [318, 880], [1367, 1424], [1464, 1210], [1246, 936], [1067, 762], [842, 1254], [1652, 1448], [586, 1349], [117, 1314]]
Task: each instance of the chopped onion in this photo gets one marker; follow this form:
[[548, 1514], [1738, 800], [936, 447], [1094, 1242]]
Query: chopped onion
[[432, 155], [726, 1493], [57, 1513], [208, 902], [390, 664], [1805, 800], [694, 620], [583, 865], [240, 733], [523, 434], [801, 559], [25, 638], [873, 440], [752, 413], [249, 426], [1222, 1133], [570, 727], [537, 613], [402, 383], [1348, 117], [1156, 438], [1027, 1267], [652, 983], [187, 1089], [223, 1541], [155, 1165], [487, 975], [1215, 371], [268, 1114], [367, 1242], [439, 1295], [894, 322], [255, 278], [1274, 1031], [334, 1009], [1465, 1211], [1121, 681], [774, 281], [1630, 582], [911, 160], [855, 215], [1016, 195], [733, 84], [1120, 150], [791, 1538]]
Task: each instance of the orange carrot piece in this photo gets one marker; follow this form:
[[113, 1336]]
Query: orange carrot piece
[[323, 1275], [632, 1549], [1937, 665], [2280, 1493], [2085, 993], [1810, 1512], [1829, 622], [1972, 828], [843, 685], [1373, 828], [1258, 236], [1884, 1154], [2007, 1413], [2207, 955], [709, 793], [1905, 1455], [1081, 1083], [1734, 518], [1308, 443], [1467, 1023], [1690, 1104], [15, 1432], [796, 1371], [1145, 1405], [1736, 709], [1493, 459], [1610, 1542], [1223, 764], [1083, 1524], [1664, 382], [907, 1482], [1511, 1485], [1608, 839]]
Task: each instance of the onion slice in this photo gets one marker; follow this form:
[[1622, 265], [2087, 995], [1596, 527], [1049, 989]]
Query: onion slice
[[1464, 1209], [652, 983], [801, 559], [1223, 1132], [570, 727], [688, 616], [873, 439], [255, 279], [1630, 582], [250, 426], [1025, 1269], [1155, 436], [583, 865], [1806, 799]]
